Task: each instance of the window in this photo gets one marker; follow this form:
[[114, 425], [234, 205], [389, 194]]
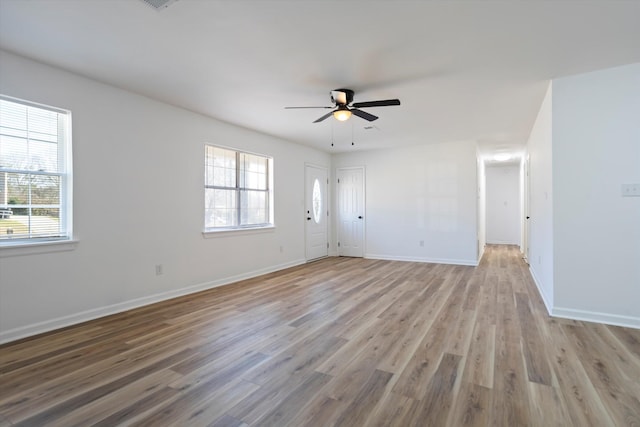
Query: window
[[238, 189], [35, 172], [316, 197]]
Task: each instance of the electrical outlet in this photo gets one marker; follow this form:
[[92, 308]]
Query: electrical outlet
[[281, 249], [630, 190], [158, 269], [422, 243]]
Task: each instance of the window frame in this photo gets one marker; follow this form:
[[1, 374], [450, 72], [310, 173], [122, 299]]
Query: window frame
[[239, 189], [64, 173]]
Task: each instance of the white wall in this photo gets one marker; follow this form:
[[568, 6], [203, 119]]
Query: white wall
[[503, 204], [541, 207], [138, 202], [424, 193], [596, 148]]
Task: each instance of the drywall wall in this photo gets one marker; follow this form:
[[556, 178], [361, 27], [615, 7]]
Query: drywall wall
[[503, 204], [421, 202], [138, 202], [596, 149], [541, 201]]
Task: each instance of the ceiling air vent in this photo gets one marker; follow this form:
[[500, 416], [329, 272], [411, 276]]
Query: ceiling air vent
[[159, 4]]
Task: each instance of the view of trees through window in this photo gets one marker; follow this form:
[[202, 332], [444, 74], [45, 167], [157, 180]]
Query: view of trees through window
[[237, 189], [32, 171]]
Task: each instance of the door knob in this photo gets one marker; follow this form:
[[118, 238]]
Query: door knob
[[528, 217], [308, 218], [359, 216]]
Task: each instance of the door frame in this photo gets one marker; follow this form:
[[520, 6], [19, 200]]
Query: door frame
[[364, 206], [526, 188], [326, 208]]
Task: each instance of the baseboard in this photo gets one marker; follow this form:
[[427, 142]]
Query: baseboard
[[594, 316], [585, 315], [84, 316], [548, 306], [473, 263]]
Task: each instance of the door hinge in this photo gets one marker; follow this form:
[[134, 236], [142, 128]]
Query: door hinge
[[338, 244], [338, 180], [327, 245]]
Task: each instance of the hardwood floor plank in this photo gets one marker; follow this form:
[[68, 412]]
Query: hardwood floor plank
[[338, 341], [437, 401], [227, 421], [199, 406], [392, 410], [100, 408], [57, 411], [480, 361], [510, 374], [128, 413], [295, 402], [583, 403], [472, 407], [415, 376], [320, 410], [365, 401], [548, 408], [537, 367], [70, 384]]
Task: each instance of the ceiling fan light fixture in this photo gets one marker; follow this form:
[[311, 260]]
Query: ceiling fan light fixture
[[342, 114]]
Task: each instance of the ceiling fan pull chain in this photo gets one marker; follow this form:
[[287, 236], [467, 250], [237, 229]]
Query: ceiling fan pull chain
[[332, 134], [352, 127]]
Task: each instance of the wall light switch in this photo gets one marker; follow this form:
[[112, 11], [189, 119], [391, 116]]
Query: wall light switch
[[630, 190]]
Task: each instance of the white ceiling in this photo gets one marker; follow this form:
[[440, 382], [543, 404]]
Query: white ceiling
[[467, 70]]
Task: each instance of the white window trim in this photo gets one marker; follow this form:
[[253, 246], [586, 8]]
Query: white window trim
[[25, 247], [222, 232]]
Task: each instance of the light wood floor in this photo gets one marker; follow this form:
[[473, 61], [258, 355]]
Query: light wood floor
[[341, 341]]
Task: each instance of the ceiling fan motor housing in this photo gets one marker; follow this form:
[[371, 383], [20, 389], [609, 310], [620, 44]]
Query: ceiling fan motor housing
[[342, 96]]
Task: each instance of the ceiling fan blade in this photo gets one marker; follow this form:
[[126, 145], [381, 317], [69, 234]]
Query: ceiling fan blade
[[323, 117], [364, 114], [292, 108], [381, 103]]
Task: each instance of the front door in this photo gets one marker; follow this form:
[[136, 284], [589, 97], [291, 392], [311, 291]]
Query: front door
[[351, 212], [316, 211]]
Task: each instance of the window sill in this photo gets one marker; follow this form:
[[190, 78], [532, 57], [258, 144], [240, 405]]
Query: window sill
[[34, 248], [211, 234]]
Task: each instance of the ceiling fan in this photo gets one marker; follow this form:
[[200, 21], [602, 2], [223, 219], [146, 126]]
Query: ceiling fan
[[344, 106]]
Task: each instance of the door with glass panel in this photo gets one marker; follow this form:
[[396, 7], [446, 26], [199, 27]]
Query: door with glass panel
[[316, 212]]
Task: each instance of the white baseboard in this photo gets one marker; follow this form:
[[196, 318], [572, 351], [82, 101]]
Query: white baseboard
[[83, 316], [502, 242], [473, 263], [544, 297], [585, 315], [594, 316]]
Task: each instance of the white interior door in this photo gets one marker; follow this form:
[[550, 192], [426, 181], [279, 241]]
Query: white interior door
[[351, 212], [503, 216], [316, 211]]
